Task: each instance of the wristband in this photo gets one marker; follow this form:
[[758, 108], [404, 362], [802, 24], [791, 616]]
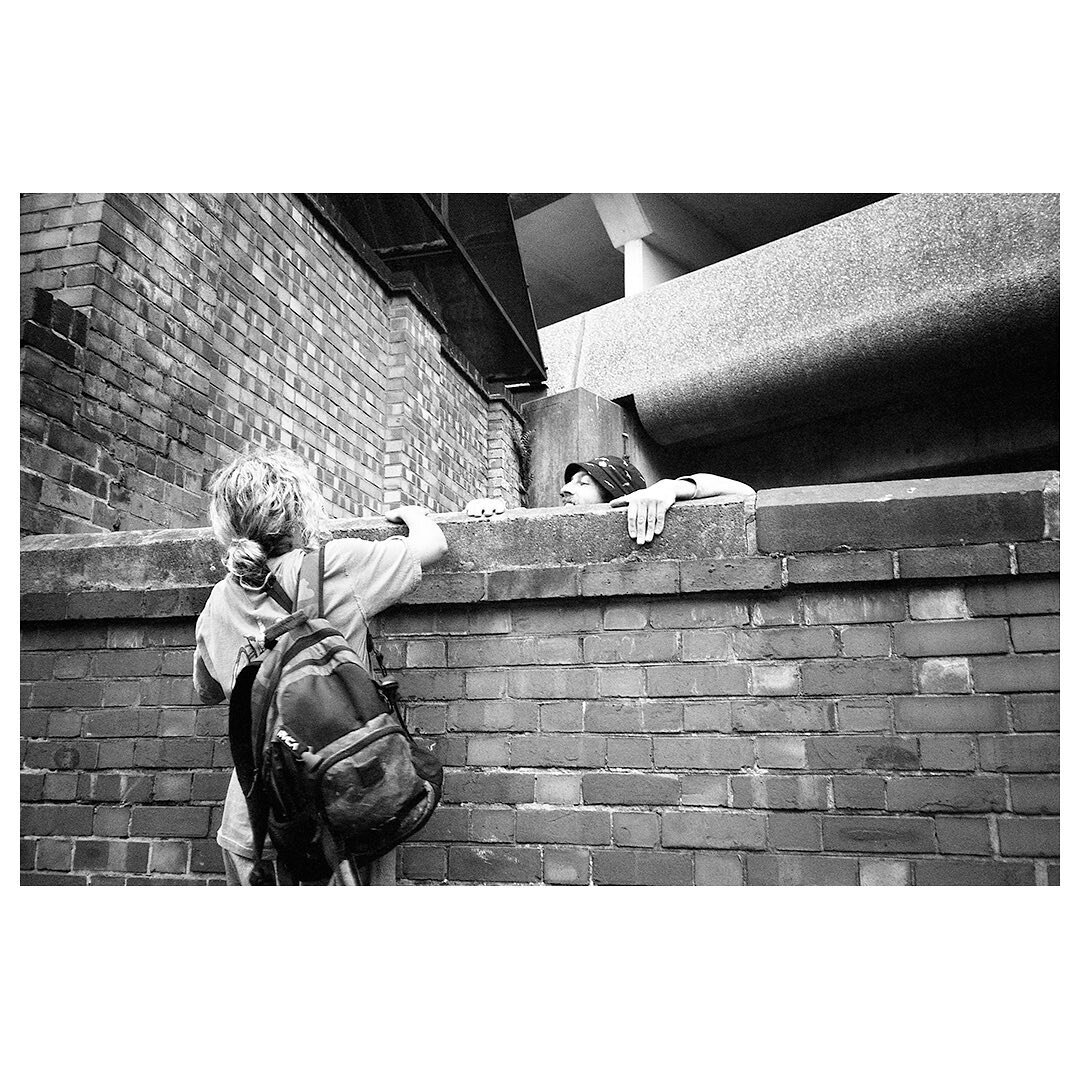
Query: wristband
[[692, 481]]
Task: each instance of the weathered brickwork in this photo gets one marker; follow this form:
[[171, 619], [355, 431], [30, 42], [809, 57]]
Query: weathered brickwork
[[437, 439], [60, 244], [124, 775], [214, 322], [507, 454], [635, 756], [897, 732]]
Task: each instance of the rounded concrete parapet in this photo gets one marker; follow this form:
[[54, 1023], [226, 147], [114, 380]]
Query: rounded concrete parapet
[[859, 310]]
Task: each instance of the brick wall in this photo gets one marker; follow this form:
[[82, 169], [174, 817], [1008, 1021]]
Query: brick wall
[[507, 453], [209, 322], [438, 422], [712, 710], [60, 234]]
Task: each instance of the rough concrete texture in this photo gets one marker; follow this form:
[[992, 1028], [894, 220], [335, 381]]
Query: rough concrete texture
[[909, 513], [849, 313], [563, 536], [890, 515], [585, 535], [1010, 424], [120, 561]]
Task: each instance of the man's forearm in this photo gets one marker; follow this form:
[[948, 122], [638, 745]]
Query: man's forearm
[[709, 485]]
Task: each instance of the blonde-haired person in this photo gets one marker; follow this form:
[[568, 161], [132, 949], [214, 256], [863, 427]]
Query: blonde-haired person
[[265, 509]]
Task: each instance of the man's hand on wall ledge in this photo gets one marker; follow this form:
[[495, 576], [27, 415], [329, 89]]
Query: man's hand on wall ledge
[[646, 509], [485, 507]]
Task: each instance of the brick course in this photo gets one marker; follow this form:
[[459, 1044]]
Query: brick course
[[709, 738]]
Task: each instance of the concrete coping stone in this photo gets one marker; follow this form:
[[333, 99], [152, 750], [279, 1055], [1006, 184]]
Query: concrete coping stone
[[585, 551], [894, 514]]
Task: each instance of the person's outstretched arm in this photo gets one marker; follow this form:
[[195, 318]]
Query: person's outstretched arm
[[647, 509], [425, 537], [709, 485]]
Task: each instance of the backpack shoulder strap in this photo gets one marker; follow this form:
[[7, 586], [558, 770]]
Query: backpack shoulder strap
[[243, 754], [309, 594], [272, 588], [309, 587]]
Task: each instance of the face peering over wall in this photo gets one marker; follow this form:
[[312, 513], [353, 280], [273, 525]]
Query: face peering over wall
[[582, 490], [600, 480]]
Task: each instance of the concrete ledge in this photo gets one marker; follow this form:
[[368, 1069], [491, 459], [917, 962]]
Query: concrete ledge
[[572, 536], [120, 561], [562, 536], [956, 527], [940, 512]]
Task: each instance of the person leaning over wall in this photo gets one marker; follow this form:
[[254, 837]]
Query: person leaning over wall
[[617, 482], [265, 509]]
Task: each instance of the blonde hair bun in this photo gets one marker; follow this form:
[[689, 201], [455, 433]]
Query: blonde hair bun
[[261, 504], [246, 561]]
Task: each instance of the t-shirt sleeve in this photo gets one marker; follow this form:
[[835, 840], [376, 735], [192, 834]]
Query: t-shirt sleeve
[[206, 685], [380, 572]]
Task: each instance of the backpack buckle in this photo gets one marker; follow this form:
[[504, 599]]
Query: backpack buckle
[[388, 687]]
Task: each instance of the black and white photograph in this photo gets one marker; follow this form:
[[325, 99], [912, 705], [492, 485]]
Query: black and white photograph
[[546, 556], [633, 539]]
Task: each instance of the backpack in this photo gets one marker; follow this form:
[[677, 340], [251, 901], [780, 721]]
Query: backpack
[[326, 763]]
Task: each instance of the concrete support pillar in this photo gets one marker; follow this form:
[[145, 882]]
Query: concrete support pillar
[[644, 267], [629, 229], [577, 426], [658, 239]]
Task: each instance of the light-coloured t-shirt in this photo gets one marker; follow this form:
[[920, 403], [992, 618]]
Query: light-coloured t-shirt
[[361, 578]]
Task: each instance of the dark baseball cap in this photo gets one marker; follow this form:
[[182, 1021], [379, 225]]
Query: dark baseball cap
[[616, 476]]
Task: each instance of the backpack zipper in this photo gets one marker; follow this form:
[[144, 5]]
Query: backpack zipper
[[346, 751]]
